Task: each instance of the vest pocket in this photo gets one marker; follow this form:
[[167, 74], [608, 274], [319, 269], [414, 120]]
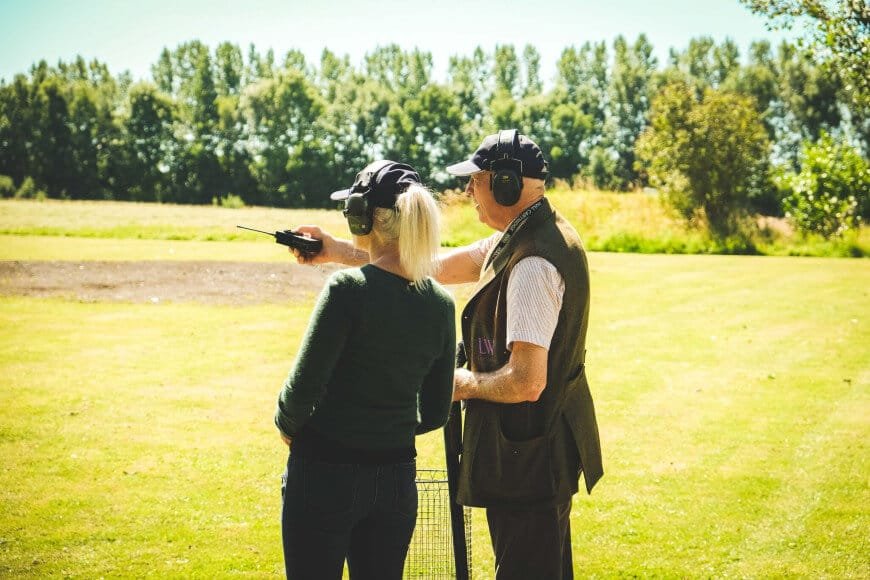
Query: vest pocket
[[506, 470]]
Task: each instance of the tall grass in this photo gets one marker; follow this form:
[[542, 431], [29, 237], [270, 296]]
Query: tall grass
[[610, 222], [642, 223]]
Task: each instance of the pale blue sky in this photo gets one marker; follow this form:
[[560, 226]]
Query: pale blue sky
[[130, 35]]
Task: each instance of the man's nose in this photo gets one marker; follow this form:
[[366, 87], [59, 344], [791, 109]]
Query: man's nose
[[469, 187]]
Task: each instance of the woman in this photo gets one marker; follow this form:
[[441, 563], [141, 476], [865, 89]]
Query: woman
[[375, 369]]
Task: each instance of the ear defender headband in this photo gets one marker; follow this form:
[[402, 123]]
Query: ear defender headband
[[506, 177], [358, 211]]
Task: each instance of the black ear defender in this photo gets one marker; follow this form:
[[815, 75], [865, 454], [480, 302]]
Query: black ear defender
[[358, 211], [359, 214], [506, 179]]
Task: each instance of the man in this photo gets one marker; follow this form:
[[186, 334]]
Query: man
[[530, 426]]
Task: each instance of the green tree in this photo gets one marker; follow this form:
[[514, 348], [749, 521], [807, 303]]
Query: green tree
[[569, 126], [706, 64], [506, 71], [809, 94], [295, 59], [352, 126], [696, 62], [583, 79], [198, 172], [58, 128], [503, 112], [630, 89], [532, 68], [232, 152], [577, 109], [150, 151], [186, 59], [388, 66], [334, 73], [91, 132], [419, 71], [603, 169], [467, 78], [203, 96], [426, 132], [229, 69], [163, 72], [503, 106], [282, 115], [401, 73], [726, 61], [53, 168], [709, 154], [7, 186], [759, 80], [17, 123], [831, 191], [352, 123], [839, 35]]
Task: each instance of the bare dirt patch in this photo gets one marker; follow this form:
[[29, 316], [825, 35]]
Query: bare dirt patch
[[236, 283]]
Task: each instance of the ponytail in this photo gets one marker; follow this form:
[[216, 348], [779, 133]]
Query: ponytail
[[415, 222]]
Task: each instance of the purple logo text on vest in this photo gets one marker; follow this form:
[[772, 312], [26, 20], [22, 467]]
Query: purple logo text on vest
[[485, 347]]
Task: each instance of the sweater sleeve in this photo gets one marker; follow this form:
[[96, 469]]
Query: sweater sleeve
[[321, 348], [436, 393]]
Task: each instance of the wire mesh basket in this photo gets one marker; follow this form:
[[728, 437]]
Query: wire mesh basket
[[431, 553]]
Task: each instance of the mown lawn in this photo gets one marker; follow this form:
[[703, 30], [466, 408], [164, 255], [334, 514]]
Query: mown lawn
[[733, 395]]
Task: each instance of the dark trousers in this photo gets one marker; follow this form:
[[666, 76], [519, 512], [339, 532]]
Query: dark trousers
[[333, 511], [531, 543]]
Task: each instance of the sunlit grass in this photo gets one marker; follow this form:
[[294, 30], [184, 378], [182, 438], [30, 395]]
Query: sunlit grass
[[733, 395], [115, 219], [612, 222]]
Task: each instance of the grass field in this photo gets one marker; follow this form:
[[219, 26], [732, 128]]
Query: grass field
[[733, 395], [612, 222]]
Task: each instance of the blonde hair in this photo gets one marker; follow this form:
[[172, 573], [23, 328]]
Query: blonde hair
[[415, 225]]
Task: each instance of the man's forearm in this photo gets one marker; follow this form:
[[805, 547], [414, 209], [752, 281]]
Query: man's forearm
[[457, 267], [522, 379], [505, 385]]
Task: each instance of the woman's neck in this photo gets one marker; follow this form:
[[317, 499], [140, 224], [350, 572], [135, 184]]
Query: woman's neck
[[386, 257]]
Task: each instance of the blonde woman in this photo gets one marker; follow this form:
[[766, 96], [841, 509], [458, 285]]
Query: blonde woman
[[375, 368]]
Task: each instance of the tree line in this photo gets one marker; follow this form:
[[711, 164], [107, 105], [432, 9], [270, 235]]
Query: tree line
[[231, 124]]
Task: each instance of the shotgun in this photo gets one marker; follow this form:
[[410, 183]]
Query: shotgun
[[453, 449]]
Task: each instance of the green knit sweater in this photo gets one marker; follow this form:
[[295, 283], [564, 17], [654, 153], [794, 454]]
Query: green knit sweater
[[376, 364]]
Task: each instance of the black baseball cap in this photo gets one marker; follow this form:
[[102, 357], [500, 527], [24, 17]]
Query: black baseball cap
[[498, 146], [383, 181]]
